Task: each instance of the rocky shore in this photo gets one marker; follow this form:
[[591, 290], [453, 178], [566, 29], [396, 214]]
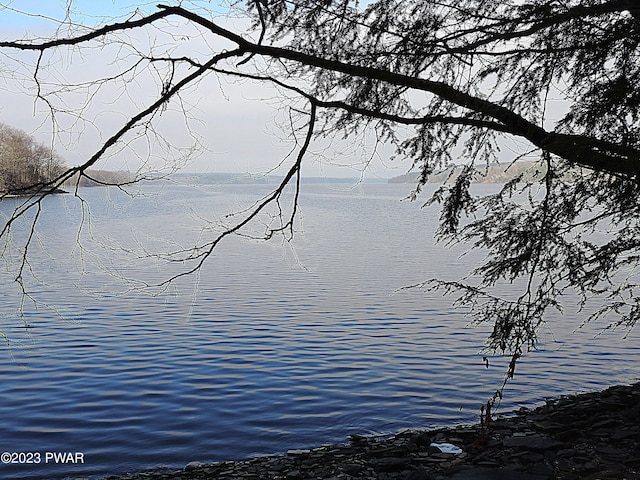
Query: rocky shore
[[583, 437]]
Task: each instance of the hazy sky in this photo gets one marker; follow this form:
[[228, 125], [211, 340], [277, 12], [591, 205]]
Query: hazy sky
[[236, 125]]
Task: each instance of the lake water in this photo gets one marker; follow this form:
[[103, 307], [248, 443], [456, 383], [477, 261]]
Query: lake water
[[271, 347]]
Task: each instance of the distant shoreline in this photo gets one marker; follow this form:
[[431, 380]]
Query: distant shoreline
[[497, 173], [31, 193]]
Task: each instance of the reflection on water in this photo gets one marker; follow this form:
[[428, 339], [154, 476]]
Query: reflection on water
[[268, 348]]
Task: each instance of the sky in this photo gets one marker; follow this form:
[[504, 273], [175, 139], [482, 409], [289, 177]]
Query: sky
[[223, 125]]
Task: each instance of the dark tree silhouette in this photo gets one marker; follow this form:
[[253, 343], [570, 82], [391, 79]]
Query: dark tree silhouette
[[442, 81]]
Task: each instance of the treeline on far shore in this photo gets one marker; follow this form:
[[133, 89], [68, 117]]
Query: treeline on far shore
[[496, 173], [24, 162]]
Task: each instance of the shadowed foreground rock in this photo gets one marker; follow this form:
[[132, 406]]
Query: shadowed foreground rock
[[582, 437]]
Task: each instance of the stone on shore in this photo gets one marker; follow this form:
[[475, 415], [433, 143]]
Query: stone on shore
[[583, 437]]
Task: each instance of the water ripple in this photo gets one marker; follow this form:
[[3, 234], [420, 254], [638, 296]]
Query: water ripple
[[268, 354]]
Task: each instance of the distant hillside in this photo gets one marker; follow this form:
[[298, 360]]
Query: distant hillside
[[498, 173]]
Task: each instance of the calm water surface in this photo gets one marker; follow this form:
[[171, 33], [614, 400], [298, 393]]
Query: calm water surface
[[271, 347]]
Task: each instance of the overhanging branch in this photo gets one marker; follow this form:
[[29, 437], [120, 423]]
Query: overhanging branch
[[583, 150], [343, 105]]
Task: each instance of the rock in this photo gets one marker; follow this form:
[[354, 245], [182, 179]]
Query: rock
[[193, 465], [494, 474], [418, 475], [294, 475], [391, 464], [532, 442], [624, 434], [531, 457], [433, 450], [568, 435], [422, 439], [298, 452]]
